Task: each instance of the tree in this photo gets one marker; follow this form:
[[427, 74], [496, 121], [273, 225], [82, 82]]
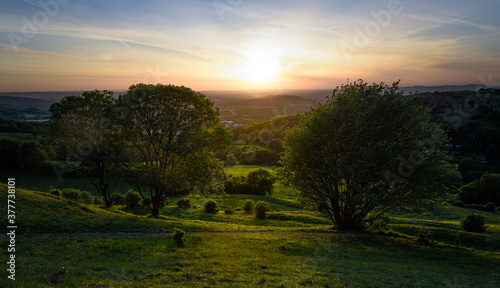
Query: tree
[[172, 132], [31, 156], [367, 150], [261, 181], [83, 123], [481, 191]]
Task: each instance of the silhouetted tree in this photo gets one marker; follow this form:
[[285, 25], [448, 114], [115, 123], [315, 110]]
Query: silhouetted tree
[[365, 151], [173, 132]]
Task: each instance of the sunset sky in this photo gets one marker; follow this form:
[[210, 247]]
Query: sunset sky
[[241, 44]]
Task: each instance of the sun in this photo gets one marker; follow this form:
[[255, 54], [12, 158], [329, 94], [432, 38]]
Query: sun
[[261, 64]]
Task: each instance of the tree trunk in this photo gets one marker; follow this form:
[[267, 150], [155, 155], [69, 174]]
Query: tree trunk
[[107, 200], [156, 205]]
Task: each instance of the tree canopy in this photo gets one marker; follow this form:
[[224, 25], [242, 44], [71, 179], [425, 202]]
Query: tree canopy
[[172, 132], [365, 151], [84, 124]]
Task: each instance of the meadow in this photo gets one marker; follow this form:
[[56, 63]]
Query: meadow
[[62, 243]]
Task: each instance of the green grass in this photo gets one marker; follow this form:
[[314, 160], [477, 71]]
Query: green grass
[[246, 260], [243, 170], [42, 213], [62, 243]]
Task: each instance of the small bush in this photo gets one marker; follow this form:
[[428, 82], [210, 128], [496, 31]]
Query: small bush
[[55, 192], [71, 194], [473, 223], [184, 203], [425, 237], [179, 237], [97, 201], [229, 210], [490, 207], [164, 201], [379, 223], [211, 207], [85, 197], [261, 209], [117, 199], [132, 199], [248, 206]]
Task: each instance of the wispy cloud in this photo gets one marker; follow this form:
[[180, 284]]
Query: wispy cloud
[[116, 41]]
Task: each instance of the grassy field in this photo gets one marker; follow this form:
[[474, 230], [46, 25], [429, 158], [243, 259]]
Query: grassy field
[[61, 243], [247, 260], [243, 170]]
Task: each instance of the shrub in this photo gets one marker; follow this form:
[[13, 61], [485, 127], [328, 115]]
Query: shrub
[[71, 194], [55, 192], [211, 207], [473, 223], [229, 210], [85, 197], [164, 201], [425, 237], [179, 237], [97, 201], [261, 209], [481, 191], [117, 199], [184, 203], [490, 207], [147, 201], [248, 206], [132, 199], [379, 223]]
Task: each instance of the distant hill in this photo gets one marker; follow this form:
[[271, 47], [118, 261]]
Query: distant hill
[[443, 88], [24, 102]]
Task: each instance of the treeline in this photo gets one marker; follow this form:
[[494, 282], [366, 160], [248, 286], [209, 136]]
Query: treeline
[[11, 126], [27, 156], [259, 144]]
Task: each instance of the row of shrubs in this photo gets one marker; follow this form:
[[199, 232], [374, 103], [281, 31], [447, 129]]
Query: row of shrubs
[[488, 207], [131, 198], [257, 182], [211, 206]]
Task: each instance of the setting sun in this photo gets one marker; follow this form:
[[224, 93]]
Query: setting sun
[[261, 64]]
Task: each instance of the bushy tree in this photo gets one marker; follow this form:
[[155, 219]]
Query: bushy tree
[[257, 182], [89, 136], [31, 156], [172, 132], [261, 181], [365, 151], [132, 199], [481, 191]]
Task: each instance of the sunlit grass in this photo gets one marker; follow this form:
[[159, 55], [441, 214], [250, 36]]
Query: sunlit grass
[[247, 260]]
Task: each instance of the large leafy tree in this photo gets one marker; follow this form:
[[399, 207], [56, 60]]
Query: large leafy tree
[[172, 132], [83, 123], [367, 150]]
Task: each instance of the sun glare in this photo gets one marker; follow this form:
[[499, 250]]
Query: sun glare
[[261, 64]]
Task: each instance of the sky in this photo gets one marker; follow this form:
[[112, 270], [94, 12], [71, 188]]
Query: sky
[[62, 45]]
